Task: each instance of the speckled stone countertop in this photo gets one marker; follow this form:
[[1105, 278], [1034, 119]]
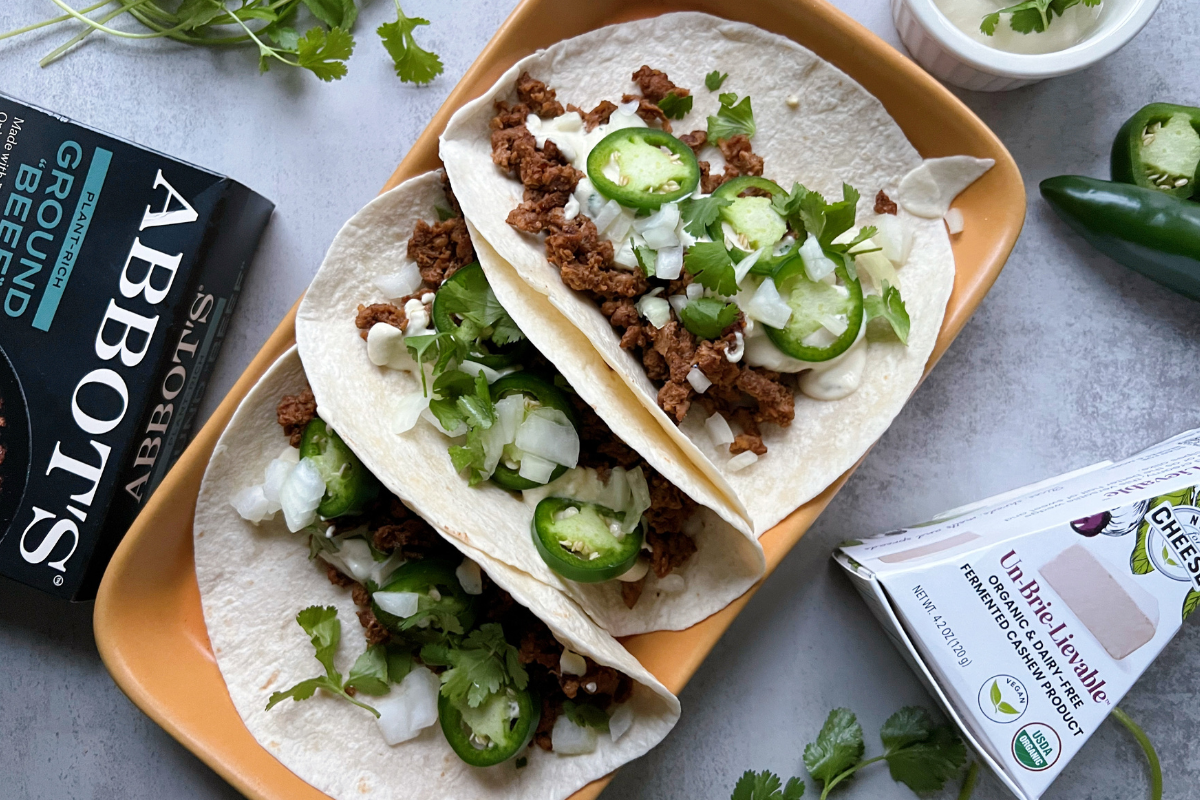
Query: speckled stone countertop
[[1070, 359]]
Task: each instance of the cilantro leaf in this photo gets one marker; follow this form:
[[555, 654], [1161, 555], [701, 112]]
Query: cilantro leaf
[[714, 79], [989, 23], [765, 785], [413, 64], [1031, 16], [838, 747], [334, 13], [369, 674], [325, 631], [925, 766], [809, 213], [707, 317], [399, 664], [907, 726], [646, 258], [324, 54], [443, 213], [675, 106], [731, 119], [712, 266], [700, 212], [586, 715], [481, 316], [889, 306], [483, 664]]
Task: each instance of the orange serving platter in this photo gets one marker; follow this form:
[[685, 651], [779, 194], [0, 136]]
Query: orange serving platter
[[148, 621]]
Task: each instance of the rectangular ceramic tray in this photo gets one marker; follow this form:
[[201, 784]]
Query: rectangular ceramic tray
[[148, 620]]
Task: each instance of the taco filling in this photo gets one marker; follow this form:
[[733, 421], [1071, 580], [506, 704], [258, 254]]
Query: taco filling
[[734, 292], [600, 511], [444, 643]]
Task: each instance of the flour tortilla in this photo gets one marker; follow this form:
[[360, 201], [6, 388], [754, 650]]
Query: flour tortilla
[[357, 398], [255, 579], [838, 133]]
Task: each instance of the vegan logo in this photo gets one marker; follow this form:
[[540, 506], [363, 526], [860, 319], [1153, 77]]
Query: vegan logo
[[1003, 698], [1036, 747]]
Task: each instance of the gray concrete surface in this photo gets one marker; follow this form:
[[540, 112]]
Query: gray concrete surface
[[1069, 360]]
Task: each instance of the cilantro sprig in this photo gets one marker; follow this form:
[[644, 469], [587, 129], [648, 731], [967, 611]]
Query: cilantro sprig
[[732, 118], [700, 212], [809, 213], [1031, 16], [480, 666], [708, 317], [766, 786], [368, 675], [712, 267], [676, 106], [270, 26], [586, 715], [889, 306]]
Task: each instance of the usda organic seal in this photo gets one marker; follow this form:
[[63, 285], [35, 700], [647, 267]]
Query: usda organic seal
[[1036, 747]]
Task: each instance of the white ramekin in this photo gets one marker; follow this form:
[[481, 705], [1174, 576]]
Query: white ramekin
[[954, 57]]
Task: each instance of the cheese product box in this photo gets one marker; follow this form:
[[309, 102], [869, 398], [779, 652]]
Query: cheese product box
[[1031, 614], [119, 270]]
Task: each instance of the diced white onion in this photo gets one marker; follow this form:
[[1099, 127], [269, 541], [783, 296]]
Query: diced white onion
[[608, 214], [489, 374], [742, 268], [510, 410], [469, 577], [407, 410], [625, 257], [547, 432], [628, 109], [431, 418], [636, 572], [669, 263], [569, 739], [834, 323], [816, 265], [877, 266], [954, 221], [409, 708], [253, 505], [494, 440], [535, 468], [401, 283], [655, 309], [618, 230], [719, 430], [301, 494], [398, 604], [768, 307], [698, 380], [277, 472], [571, 209], [620, 721], [639, 498], [658, 229], [570, 663], [678, 302], [894, 236], [672, 584], [694, 291], [741, 461], [353, 557], [386, 348]]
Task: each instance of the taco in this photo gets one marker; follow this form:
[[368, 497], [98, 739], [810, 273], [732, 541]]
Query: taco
[[708, 203], [469, 679], [418, 365]]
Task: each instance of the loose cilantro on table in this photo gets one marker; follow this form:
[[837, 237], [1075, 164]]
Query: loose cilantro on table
[[322, 626], [707, 317], [482, 665], [889, 306], [586, 715], [269, 25], [732, 118], [675, 106], [712, 267], [1031, 16], [714, 79], [766, 786]]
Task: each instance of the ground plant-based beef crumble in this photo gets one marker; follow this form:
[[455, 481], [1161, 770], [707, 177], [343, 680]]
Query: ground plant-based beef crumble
[[747, 396]]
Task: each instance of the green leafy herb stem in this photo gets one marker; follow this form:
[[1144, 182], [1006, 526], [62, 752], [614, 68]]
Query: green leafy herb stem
[[322, 625]]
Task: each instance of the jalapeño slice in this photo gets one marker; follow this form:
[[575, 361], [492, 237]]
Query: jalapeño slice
[[489, 734], [543, 393], [349, 486], [753, 216], [810, 302], [440, 594], [574, 539], [471, 282], [653, 168], [1159, 148]]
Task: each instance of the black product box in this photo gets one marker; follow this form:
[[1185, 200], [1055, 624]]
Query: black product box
[[119, 270]]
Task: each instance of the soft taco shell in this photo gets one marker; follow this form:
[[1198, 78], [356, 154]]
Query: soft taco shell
[[839, 133], [253, 581]]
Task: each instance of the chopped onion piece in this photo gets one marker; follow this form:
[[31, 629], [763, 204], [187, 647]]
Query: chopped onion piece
[[401, 283], [658, 229], [694, 291], [569, 739], [954, 221], [620, 721], [669, 263], [277, 473], [618, 231], [672, 584], [407, 410], [253, 505], [398, 604], [535, 468], [816, 265], [894, 236], [510, 411], [547, 432], [639, 498], [410, 707], [571, 209], [742, 268], [698, 380], [474, 368], [570, 663], [768, 307], [877, 266], [353, 558], [656, 310], [628, 109], [608, 215], [834, 323], [301, 494], [625, 257], [678, 302], [741, 461], [469, 577], [719, 430]]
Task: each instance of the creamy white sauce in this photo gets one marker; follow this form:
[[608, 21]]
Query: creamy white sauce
[[1066, 31], [839, 377]]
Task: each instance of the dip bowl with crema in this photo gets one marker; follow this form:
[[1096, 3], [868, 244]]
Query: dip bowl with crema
[[944, 37]]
